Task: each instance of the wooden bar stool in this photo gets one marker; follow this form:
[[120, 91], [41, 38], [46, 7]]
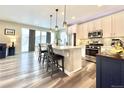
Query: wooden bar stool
[[41, 54], [53, 60]]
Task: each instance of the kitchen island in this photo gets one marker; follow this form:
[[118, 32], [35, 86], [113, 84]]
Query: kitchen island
[[72, 57], [109, 70]]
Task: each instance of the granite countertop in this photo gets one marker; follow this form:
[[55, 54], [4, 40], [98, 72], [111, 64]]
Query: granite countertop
[[114, 56]]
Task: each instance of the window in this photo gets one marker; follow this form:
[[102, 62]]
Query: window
[[43, 37], [25, 40], [37, 37]]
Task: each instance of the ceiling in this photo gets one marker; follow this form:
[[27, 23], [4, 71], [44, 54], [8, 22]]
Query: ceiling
[[38, 15]]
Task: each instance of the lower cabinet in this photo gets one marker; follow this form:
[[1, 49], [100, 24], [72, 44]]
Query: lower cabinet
[[110, 72], [122, 74], [11, 51], [2, 50]]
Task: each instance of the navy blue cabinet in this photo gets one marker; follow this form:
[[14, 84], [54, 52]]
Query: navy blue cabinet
[[11, 51], [2, 50], [122, 73], [110, 72], [98, 72]]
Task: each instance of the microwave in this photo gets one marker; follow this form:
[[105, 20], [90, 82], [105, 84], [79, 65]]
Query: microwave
[[95, 34]]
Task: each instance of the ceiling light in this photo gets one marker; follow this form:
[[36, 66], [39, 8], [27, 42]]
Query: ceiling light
[[73, 17], [99, 5], [62, 13]]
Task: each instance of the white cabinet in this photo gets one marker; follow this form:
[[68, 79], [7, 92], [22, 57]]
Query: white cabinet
[[90, 26], [94, 25], [106, 26], [112, 26], [85, 30], [118, 24], [80, 31], [97, 24]]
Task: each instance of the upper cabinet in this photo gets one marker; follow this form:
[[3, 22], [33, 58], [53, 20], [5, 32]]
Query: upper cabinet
[[82, 31], [97, 24], [106, 26], [112, 26], [94, 25], [90, 26], [118, 24], [85, 30]]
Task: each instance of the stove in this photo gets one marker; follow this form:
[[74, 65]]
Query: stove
[[92, 50]]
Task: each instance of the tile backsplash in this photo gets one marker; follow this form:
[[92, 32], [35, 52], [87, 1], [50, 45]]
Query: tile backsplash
[[105, 41]]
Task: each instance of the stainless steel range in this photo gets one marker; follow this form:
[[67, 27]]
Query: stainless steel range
[[92, 50], [94, 46]]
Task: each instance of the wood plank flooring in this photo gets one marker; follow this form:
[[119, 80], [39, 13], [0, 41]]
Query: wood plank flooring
[[24, 71]]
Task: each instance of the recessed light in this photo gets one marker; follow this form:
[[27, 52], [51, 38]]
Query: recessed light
[[73, 17], [99, 5], [62, 13]]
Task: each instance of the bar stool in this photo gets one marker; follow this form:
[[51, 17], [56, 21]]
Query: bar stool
[[53, 60], [41, 54]]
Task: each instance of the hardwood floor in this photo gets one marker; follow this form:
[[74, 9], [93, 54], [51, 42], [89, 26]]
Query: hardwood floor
[[25, 71]]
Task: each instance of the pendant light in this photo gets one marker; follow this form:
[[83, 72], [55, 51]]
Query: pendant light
[[56, 27], [64, 22], [50, 23]]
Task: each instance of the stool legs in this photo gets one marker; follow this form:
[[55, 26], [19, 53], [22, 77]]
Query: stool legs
[[39, 58], [43, 58], [63, 64]]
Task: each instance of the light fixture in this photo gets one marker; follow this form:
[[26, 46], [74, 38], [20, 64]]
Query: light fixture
[[50, 23], [64, 22], [62, 13], [73, 17], [56, 27], [99, 5]]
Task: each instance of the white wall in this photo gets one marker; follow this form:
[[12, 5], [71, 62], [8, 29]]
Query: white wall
[[8, 38]]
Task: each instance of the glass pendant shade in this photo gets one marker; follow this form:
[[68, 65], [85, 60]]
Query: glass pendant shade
[[65, 24], [56, 28]]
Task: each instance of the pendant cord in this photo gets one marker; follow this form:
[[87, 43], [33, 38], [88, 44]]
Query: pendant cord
[[64, 13], [50, 21], [56, 16]]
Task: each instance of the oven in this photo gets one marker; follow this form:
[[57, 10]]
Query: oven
[[92, 51]]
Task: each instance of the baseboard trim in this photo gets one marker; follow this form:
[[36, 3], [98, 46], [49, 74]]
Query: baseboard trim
[[70, 73]]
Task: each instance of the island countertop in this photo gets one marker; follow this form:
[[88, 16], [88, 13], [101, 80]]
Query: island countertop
[[66, 47], [113, 56]]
